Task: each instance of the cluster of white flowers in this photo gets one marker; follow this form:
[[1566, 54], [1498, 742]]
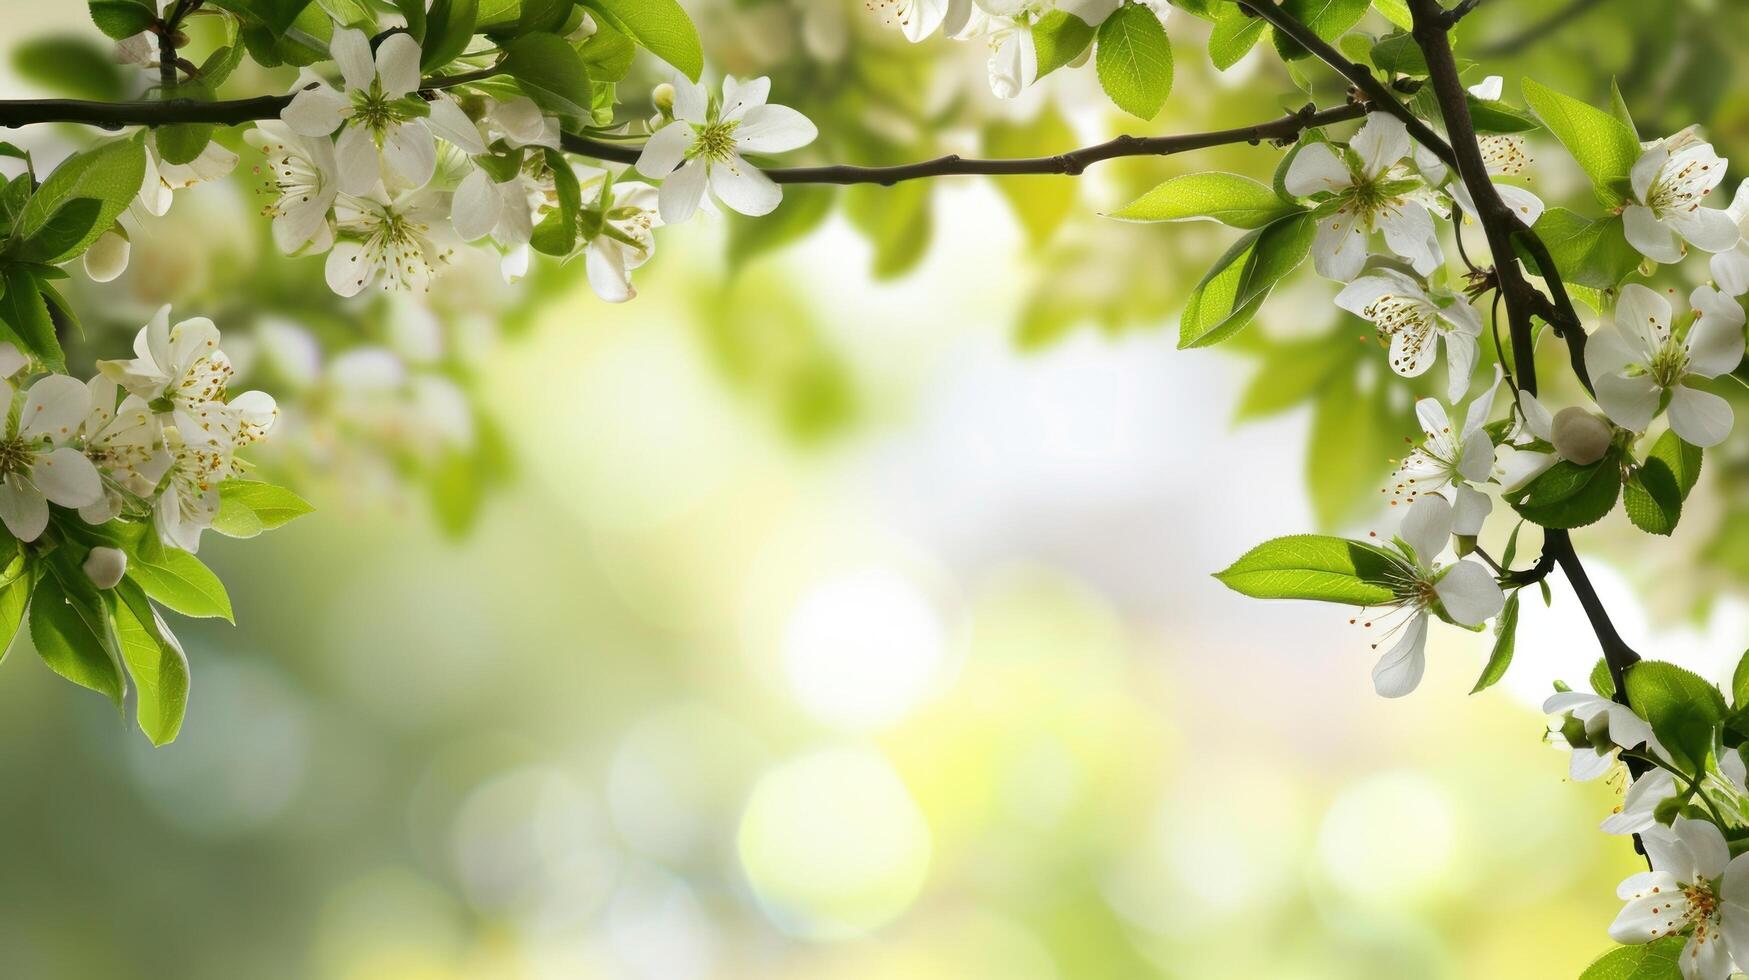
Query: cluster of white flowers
[[1004, 26], [149, 437], [388, 180]]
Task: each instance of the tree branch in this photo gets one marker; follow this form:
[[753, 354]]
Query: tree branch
[[115, 115], [1523, 301]]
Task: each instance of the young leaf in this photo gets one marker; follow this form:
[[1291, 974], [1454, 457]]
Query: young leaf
[[1227, 198], [1680, 458], [24, 316], [1657, 960], [69, 624], [449, 27], [1058, 38], [1683, 709], [1235, 34], [122, 19], [661, 26], [1569, 496], [1601, 680], [1314, 566], [1229, 294], [1602, 145], [109, 174], [154, 660], [550, 71], [178, 580], [1134, 60], [247, 508], [1398, 54], [14, 599], [1652, 499], [1586, 252], [1505, 639], [1395, 11], [1740, 682], [1329, 19]]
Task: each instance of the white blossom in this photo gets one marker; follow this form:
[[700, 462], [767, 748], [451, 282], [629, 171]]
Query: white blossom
[[1730, 267], [628, 214], [1671, 180], [702, 148], [1413, 322], [301, 174], [399, 242], [1694, 882], [126, 444], [1637, 360], [1609, 727], [1362, 190], [38, 463], [918, 19], [1455, 459], [1464, 591]]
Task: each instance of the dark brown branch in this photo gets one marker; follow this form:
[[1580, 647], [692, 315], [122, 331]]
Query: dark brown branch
[[1523, 301], [114, 115]]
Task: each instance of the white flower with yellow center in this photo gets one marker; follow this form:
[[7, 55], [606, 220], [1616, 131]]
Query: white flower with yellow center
[[918, 19], [398, 242], [1638, 361], [619, 228], [1454, 458], [1671, 181], [1694, 887], [126, 444], [300, 174], [38, 462], [1413, 323], [1362, 189], [702, 148], [180, 373], [1463, 592]]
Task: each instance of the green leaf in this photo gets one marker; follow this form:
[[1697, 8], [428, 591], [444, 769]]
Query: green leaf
[[154, 660], [71, 66], [608, 53], [1569, 496], [1395, 11], [1601, 680], [1586, 252], [1680, 458], [1604, 147], [1658, 960], [25, 316], [1229, 294], [1227, 198], [1505, 639], [1740, 682], [661, 27], [1618, 107], [110, 173], [1683, 709], [551, 72], [1398, 54], [122, 19], [1329, 19], [246, 508], [1498, 117], [178, 580], [1059, 38], [449, 27], [15, 587], [1652, 499], [1041, 203], [543, 15], [1234, 35], [70, 626], [1317, 567], [182, 143], [1134, 60]]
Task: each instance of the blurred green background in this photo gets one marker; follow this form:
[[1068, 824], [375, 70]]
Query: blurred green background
[[839, 608]]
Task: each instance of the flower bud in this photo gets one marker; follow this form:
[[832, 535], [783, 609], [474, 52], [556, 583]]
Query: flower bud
[[107, 257], [663, 98], [106, 566], [1580, 437]]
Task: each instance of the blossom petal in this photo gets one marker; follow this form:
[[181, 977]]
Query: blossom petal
[[1399, 671], [347, 269], [1460, 358], [410, 153], [1707, 229], [54, 407], [1715, 343], [1339, 247], [665, 150], [605, 265], [1316, 170], [1649, 236], [1643, 316], [1646, 168], [740, 97], [398, 65], [449, 123], [1523, 203], [1734, 901], [774, 129], [744, 187], [350, 49], [1381, 142], [1630, 402], [1609, 352], [315, 111], [1427, 528], [66, 477], [1701, 418], [1410, 233], [1470, 594], [357, 160], [682, 191], [1731, 270], [23, 509], [1706, 845], [1477, 460], [1470, 511]]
